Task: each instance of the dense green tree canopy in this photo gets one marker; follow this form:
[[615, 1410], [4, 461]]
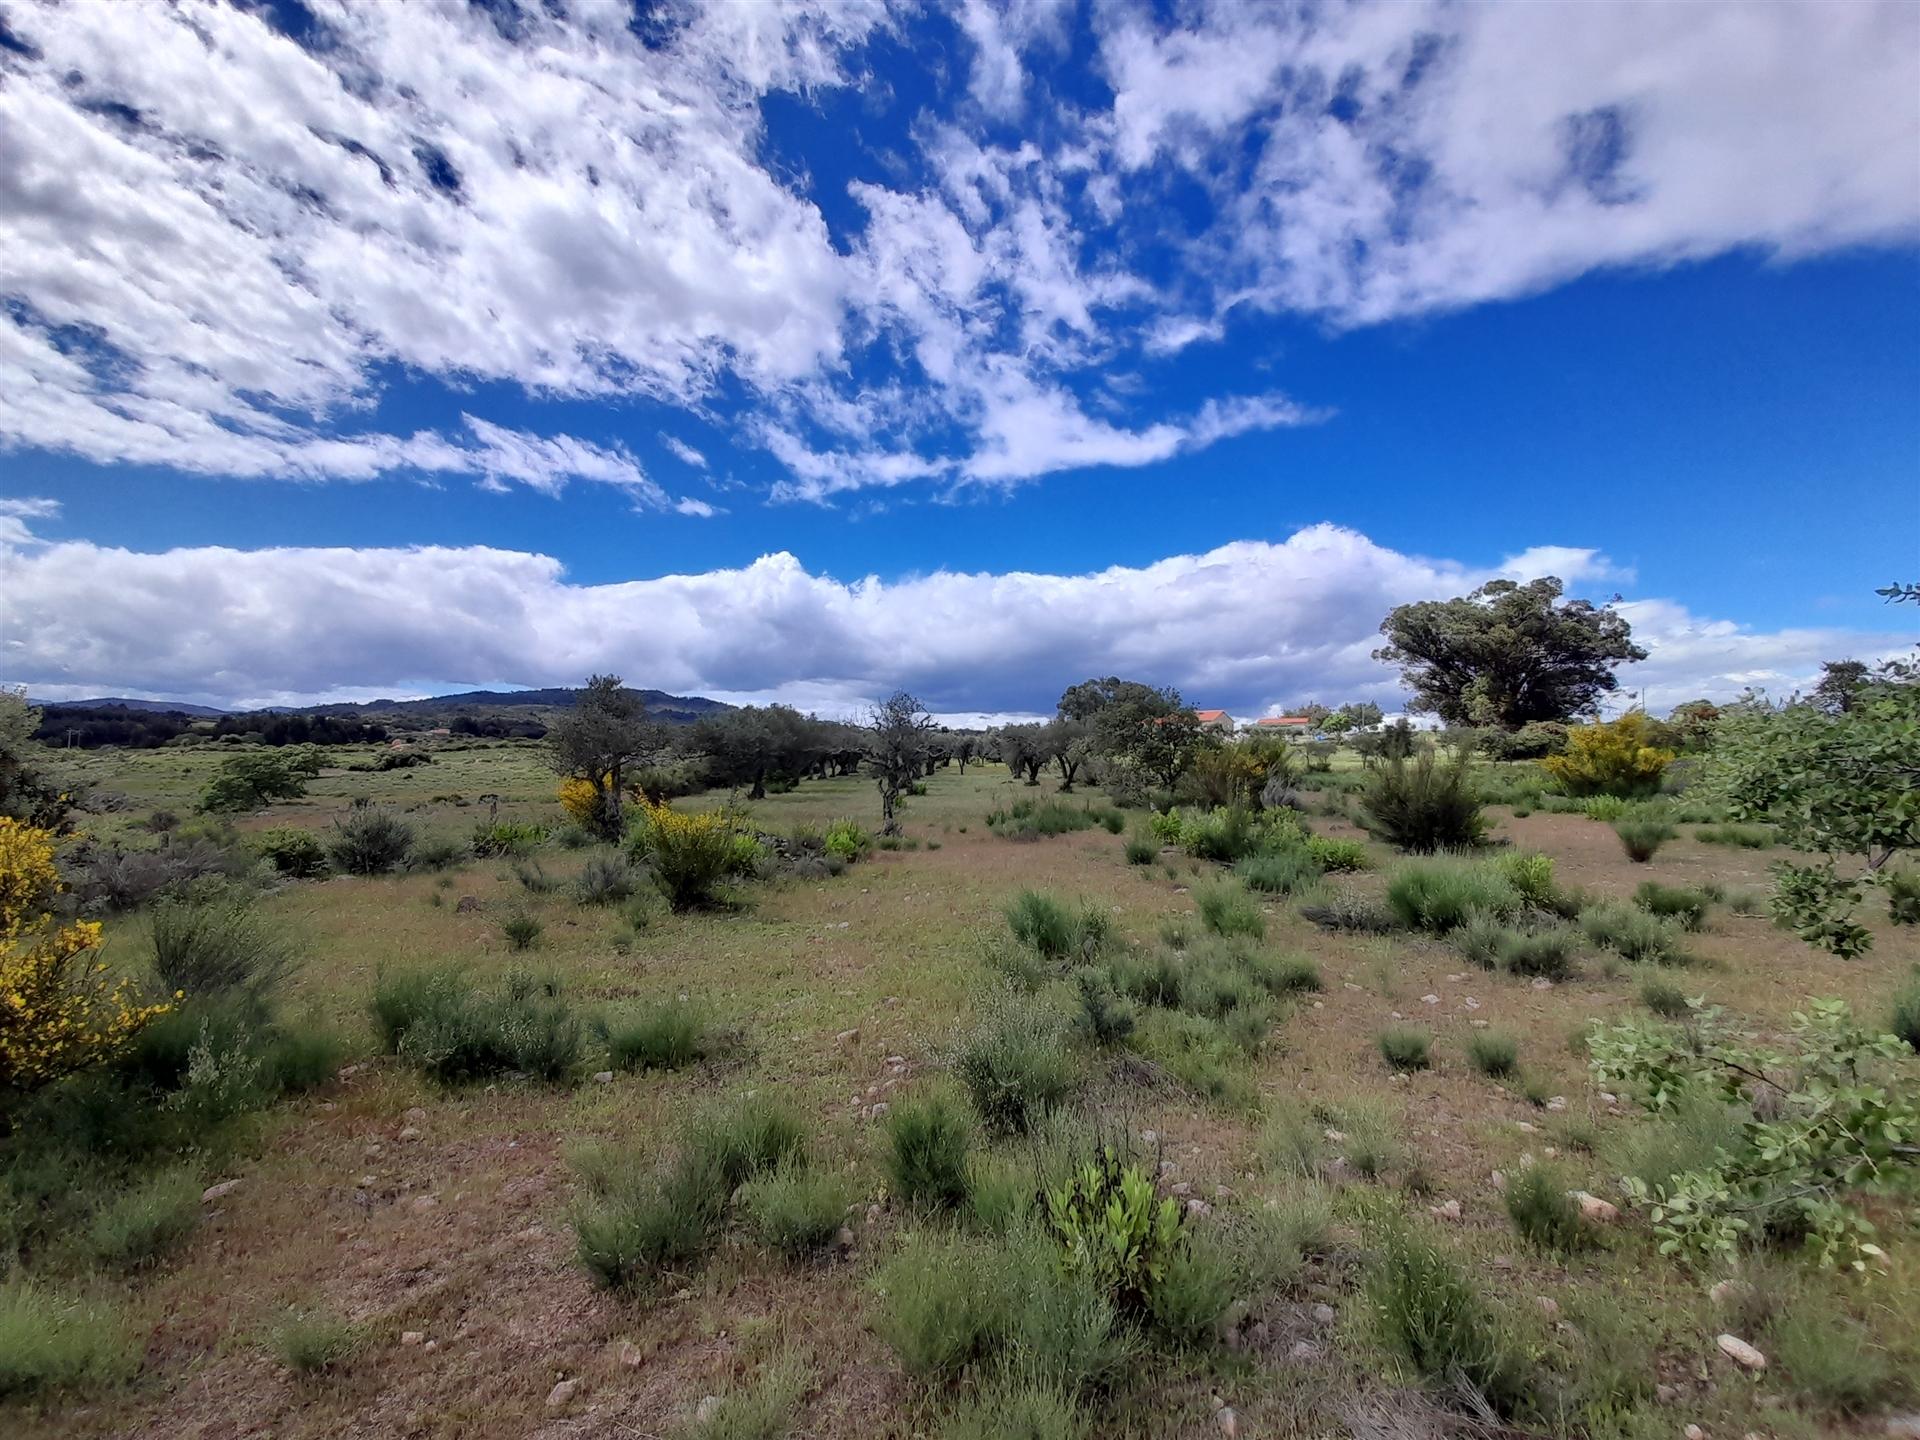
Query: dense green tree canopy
[[1507, 654]]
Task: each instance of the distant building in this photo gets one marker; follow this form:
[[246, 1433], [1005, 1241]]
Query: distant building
[[1294, 727], [1218, 721]]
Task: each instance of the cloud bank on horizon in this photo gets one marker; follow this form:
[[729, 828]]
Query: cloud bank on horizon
[[1248, 626], [226, 230]]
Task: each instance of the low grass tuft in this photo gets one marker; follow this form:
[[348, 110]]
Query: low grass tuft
[[1493, 1053], [928, 1142], [1226, 909], [1405, 1048]]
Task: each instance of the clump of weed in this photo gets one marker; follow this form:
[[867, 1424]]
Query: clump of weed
[[1493, 1053], [1347, 910], [1542, 1211], [1405, 1048], [1014, 1061], [1335, 856], [1017, 1408], [928, 1142], [761, 1409], [1633, 934], [604, 880], [1686, 908], [369, 841], [1441, 895], [521, 930], [1278, 872], [1904, 1018], [1142, 849], [1663, 997], [795, 1210], [1226, 909], [213, 942], [453, 1030], [53, 1342], [1537, 949], [1642, 838], [1831, 1359], [311, 1342], [1745, 837], [1427, 1308], [140, 1226], [668, 1035], [1105, 1016], [1424, 804], [1055, 933]]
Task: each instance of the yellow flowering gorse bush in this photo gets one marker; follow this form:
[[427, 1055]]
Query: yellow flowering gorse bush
[[691, 852], [1613, 758], [60, 1011]]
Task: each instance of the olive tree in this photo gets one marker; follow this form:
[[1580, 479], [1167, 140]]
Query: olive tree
[[899, 732], [603, 733]]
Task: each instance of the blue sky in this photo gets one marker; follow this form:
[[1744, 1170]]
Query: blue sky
[[1178, 341]]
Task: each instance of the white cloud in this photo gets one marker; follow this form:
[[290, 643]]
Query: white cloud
[[684, 451], [1246, 626]]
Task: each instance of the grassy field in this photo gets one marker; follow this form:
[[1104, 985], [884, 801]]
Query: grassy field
[[424, 1232]]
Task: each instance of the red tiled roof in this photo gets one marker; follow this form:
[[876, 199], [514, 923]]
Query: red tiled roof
[[1205, 715]]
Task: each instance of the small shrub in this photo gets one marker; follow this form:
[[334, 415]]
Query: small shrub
[[1292, 1141], [846, 841], [1337, 856], [433, 853], [1058, 935], [928, 1141], [521, 930], [48, 1342], [1493, 1053], [507, 837], [669, 1035], [140, 1226], [1831, 1359], [1017, 1409], [1105, 1016], [761, 1409], [1199, 1053], [1142, 849], [744, 1139], [297, 854], [1405, 1048], [1904, 1018], [1663, 998], [690, 854], [1641, 839], [1610, 758], [649, 1225], [1014, 1062], [311, 1343], [215, 942], [1278, 872], [1349, 911], [1633, 934], [1226, 909], [573, 835], [1534, 950], [1424, 804], [604, 880], [1686, 908], [1426, 1307], [1542, 1211], [1201, 1280], [438, 1020], [1440, 895], [794, 1210], [533, 877], [369, 841], [1903, 895]]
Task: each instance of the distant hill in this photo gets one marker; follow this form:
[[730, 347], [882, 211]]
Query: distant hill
[[116, 702], [674, 709]]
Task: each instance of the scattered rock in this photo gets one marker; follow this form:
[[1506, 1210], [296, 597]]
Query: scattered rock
[[1304, 1352], [1499, 1180], [847, 1037], [1149, 1137], [704, 1411], [367, 1181], [1228, 1422], [1199, 1207], [878, 1111], [1323, 1314], [415, 1116], [1429, 999], [1694, 1432], [1741, 1353], [1592, 1207], [561, 1395], [1666, 1394], [1726, 1292], [1526, 1127], [1557, 1103], [1400, 1077], [1549, 1306], [1335, 1137], [1221, 1192], [218, 1192], [423, 1204], [347, 1072], [430, 1346], [1607, 1097], [1540, 982], [1181, 1188], [1904, 1427], [1471, 1003], [1479, 1024], [1448, 1211], [844, 1238], [630, 1355], [466, 905], [408, 1132], [603, 1077], [1319, 1004], [413, 1337]]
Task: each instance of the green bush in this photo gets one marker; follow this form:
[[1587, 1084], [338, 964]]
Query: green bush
[[453, 1031], [1199, 1053], [1014, 1062], [1633, 934], [1142, 849], [369, 841], [533, 877], [1903, 895], [1533, 950], [1201, 1280], [1226, 909], [761, 1409], [1278, 872], [928, 1141], [49, 1342], [1017, 1409], [1663, 998], [1405, 1048], [310, 1343], [745, 1138], [795, 1210], [211, 943], [1493, 1053], [1542, 1211], [521, 930], [942, 1303], [1686, 908], [1440, 895], [140, 1226], [1105, 1016], [1427, 1308], [667, 1035], [651, 1224], [1423, 804], [1641, 839], [1055, 933], [1113, 1227], [432, 853], [604, 880], [1348, 911], [846, 841], [507, 837], [297, 854], [1831, 1359], [1337, 856]]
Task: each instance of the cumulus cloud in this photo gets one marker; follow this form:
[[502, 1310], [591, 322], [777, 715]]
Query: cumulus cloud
[[1245, 626], [221, 234]]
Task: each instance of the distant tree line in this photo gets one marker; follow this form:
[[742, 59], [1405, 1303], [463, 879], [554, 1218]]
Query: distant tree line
[[88, 727]]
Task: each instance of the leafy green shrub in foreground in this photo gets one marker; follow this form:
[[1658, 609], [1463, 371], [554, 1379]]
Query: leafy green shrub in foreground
[[667, 1035], [928, 1142], [1426, 1307], [297, 854], [215, 942], [1424, 804], [1015, 1062], [53, 1342], [369, 841], [1641, 839], [1440, 895]]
